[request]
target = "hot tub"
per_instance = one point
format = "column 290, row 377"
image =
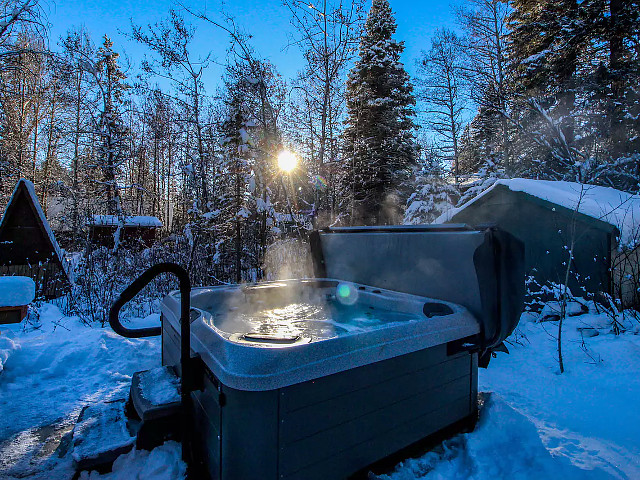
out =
column 319, row 378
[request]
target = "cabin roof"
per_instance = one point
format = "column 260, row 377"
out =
column 614, row 207
column 27, row 187
column 140, row 221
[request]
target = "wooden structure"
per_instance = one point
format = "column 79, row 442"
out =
column 13, row 314
column 603, row 224
column 28, row 246
column 137, row 231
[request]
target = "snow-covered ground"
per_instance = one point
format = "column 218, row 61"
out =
column 535, row 423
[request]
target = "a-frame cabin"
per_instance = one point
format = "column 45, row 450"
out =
column 28, row 246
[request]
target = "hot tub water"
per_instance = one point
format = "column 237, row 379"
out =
column 315, row 321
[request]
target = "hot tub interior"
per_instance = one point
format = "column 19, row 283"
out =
column 278, row 314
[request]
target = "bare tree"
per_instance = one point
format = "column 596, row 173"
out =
column 328, row 34
column 170, row 41
column 485, row 42
column 442, row 90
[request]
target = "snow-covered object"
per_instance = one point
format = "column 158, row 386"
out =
column 432, row 197
column 31, row 191
column 160, row 386
column 617, row 208
column 16, row 291
column 102, row 428
column 162, row 463
column 129, row 221
column 7, row 347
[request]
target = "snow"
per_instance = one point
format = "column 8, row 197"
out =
column 617, row 208
column 160, row 386
column 7, row 347
column 101, row 429
column 52, row 373
column 129, row 221
column 16, row 291
column 535, row 423
column 162, row 463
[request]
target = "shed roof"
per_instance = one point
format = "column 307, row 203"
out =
column 617, row 208
column 129, row 221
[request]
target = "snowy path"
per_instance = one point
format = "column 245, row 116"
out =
column 535, row 423
column 52, row 374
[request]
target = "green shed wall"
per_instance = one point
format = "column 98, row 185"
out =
column 545, row 233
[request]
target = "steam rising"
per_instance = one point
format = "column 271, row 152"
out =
column 288, row 258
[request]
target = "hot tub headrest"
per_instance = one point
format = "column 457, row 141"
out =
column 481, row 269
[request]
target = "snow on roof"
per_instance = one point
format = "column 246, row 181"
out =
column 617, row 208
column 31, row 190
column 16, row 291
column 129, row 221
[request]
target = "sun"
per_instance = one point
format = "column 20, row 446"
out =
column 287, row 161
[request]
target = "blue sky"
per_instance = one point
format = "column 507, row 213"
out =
column 268, row 21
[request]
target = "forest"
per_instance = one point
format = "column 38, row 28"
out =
column 535, row 89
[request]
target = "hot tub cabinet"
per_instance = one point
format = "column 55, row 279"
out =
column 333, row 426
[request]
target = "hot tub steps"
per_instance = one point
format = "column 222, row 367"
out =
column 155, row 397
column 101, row 434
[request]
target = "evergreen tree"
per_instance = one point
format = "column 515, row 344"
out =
column 379, row 145
column 111, row 129
column 432, row 195
column 236, row 200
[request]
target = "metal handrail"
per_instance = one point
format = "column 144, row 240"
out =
column 187, row 380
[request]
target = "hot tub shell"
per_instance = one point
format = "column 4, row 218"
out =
column 330, row 408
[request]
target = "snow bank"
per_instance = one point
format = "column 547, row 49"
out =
column 162, row 463
column 60, row 368
column 16, row 291
column 535, row 424
column 617, row 208
column 505, row 445
column 7, row 347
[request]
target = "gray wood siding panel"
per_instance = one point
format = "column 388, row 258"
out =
column 387, row 443
column 249, row 435
column 545, row 233
column 207, row 428
column 366, row 428
column 309, row 393
column 343, row 407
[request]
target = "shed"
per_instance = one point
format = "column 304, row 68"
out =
column 28, row 246
column 137, row 231
column 603, row 223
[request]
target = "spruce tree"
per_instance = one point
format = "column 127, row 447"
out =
column 379, row 145
column 111, row 129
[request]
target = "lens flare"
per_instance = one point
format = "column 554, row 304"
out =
column 346, row 293
column 319, row 182
column 287, row 161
